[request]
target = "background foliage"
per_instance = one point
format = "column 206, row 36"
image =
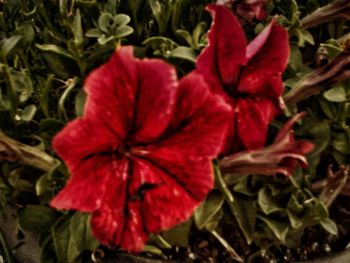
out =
column 48, row 47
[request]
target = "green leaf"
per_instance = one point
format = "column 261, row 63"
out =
column 295, row 222
column 179, row 235
column 341, row 143
column 121, row 20
column 267, row 203
column 245, row 213
column 329, row 226
column 105, row 22
column 36, row 218
column 8, row 44
column 80, row 99
column 294, row 205
column 336, row 94
column 197, row 33
column 279, row 228
column 81, row 237
column 184, row 53
column 123, row 31
column 28, row 112
column 22, row 84
column 186, row 36
column 161, row 44
column 55, row 49
column 206, row 211
column 77, row 28
column 93, row 32
column 61, row 238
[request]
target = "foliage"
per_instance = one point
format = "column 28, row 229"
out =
column 47, row 48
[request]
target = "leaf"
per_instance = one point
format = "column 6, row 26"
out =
column 197, row 33
column 61, row 238
column 341, row 143
column 184, row 53
column 28, row 112
column 294, row 205
column 80, row 99
column 279, row 228
column 161, row 44
column 55, row 49
column 245, row 213
column 266, row 202
column 123, row 31
column 105, row 22
column 186, row 36
column 36, row 218
column 93, row 32
column 8, row 44
column 329, row 226
column 22, row 84
column 121, row 20
column 77, row 28
column 336, row 94
column 207, row 209
column 295, row 222
column 179, row 235
column 81, row 237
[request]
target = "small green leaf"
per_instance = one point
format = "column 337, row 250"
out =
column 197, row 33
column 78, row 29
column 329, row 226
column 121, row 20
column 61, row 238
column 8, row 44
column 267, row 203
column 184, row 53
column 28, row 112
column 80, row 99
column 207, row 209
column 279, row 228
column 93, row 32
column 186, row 36
column 36, row 218
column 123, row 31
column 341, row 143
column 295, row 222
column 336, row 94
column 105, row 22
column 178, row 235
column 55, row 49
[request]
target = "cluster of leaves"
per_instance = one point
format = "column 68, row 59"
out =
column 48, row 47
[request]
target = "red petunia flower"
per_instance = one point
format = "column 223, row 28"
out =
column 140, row 158
column 248, row 76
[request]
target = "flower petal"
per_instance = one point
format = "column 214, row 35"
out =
column 83, row 138
column 177, row 191
column 227, row 47
column 85, row 189
column 119, row 220
column 111, row 91
column 253, row 117
column 268, row 55
column 156, row 96
column 199, row 126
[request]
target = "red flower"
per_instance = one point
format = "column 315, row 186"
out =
column 140, row 158
column 281, row 156
column 248, row 76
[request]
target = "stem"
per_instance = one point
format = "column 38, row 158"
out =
column 227, row 246
column 4, row 247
